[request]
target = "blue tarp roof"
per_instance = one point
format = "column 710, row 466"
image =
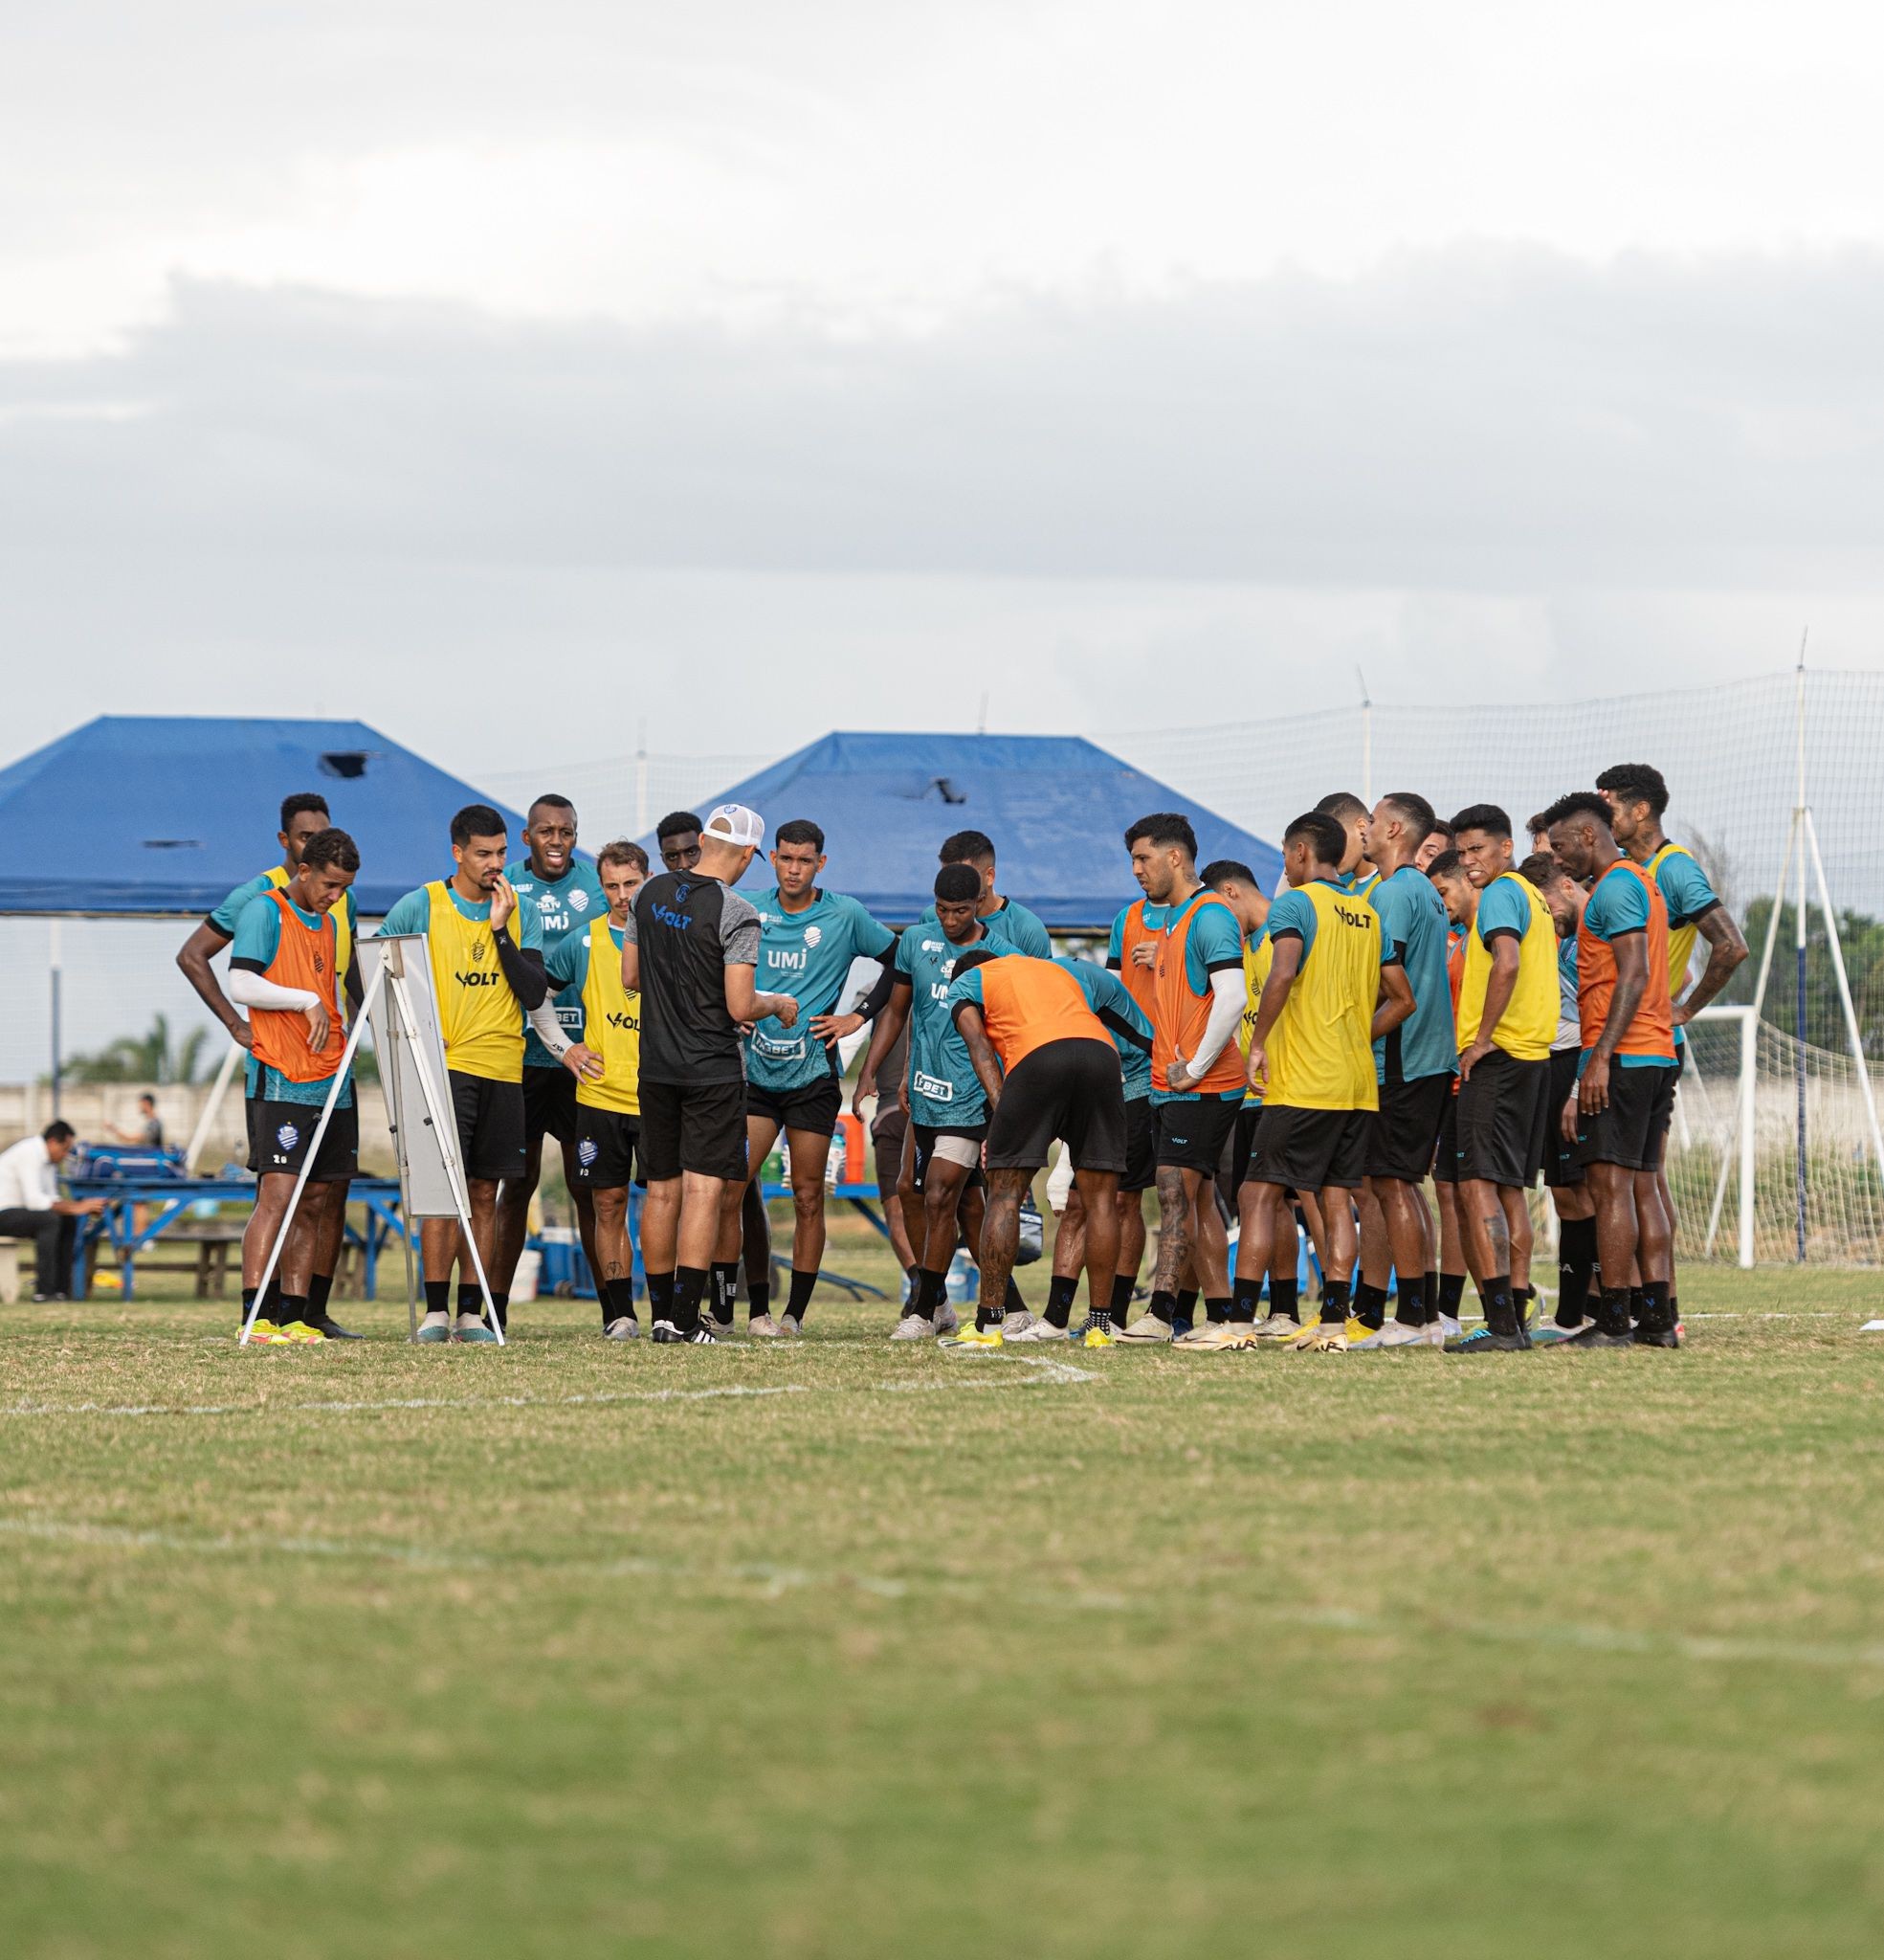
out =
column 167, row 814
column 1057, row 807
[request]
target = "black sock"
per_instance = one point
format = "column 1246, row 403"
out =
column 1370, row 1305
column 470, row 1300
column 500, row 1303
column 1163, row 1305
column 1012, row 1301
column 438, row 1296
column 319, row 1287
column 1334, row 1303
column 799, row 1302
column 1242, row 1299
column 1410, row 1308
column 689, row 1290
column 1218, row 1310
column 294, row 1307
column 660, row 1297
column 1433, row 1295
column 933, row 1295
column 725, row 1288
column 757, row 1298
column 1500, row 1309
column 1187, row 1309
column 1451, row 1291
column 1575, row 1261
column 617, row 1301
column 1657, row 1306
column 1635, row 1302
column 1612, row 1315
column 912, row 1273
column 1285, row 1297
column 990, row 1316
column 248, row 1301
column 271, row 1301
column 1123, row 1286
column 1060, row 1293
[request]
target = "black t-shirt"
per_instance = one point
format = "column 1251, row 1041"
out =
column 690, row 929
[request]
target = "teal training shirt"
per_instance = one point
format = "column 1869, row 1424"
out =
column 564, row 907
column 944, row 1092
column 1413, row 921
column 807, row 955
column 413, row 914
column 256, row 941
column 1014, row 926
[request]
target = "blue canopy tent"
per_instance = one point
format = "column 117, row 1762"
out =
column 1057, row 807
column 165, row 815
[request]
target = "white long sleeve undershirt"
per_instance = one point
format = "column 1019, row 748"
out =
column 251, row 990
column 1228, row 993
column 549, row 1030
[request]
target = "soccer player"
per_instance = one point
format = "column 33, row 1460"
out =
column 284, row 967
column 1562, row 1174
column 1414, row 1064
column 942, row 1187
column 567, row 899
column 1106, row 995
column 1334, row 985
column 1620, row 1112
column 486, row 953
column 302, row 817
column 1507, row 1021
column 1447, row 1286
column 1438, row 841
column 605, row 1063
column 1358, row 868
column 1007, row 919
column 690, row 947
column 1197, row 1084
column 808, row 937
column 1048, row 1069
column 677, row 837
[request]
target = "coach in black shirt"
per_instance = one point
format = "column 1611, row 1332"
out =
column 690, row 950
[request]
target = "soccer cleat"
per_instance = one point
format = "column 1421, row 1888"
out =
column 263, row 1334
column 623, row 1328
column 1148, row 1330
column 722, row 1330
column 1017, row 1322
column 761, row 1326
column 298, row 1333
column 702, row 1335
column 330, row 1329
column 1450, row 1329
column 1323, row 1337
column 947, row 1320
column 1217, row 1337
column 1594, row 1336
column 912, row 1327
column 434, row 1327
column 1483, row 1341
column 1646, row 1336
column 474, row 1332
column 668, row 1335
column 1553, row 1335
column 1097, row 1334
column 1278, row 1326
column 789, row 1327
column 980, row 1338
column 1433, row 1334
column 1392, row 1334
column 1036, row 1331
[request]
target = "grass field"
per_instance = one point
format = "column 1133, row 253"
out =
column 835, row 1648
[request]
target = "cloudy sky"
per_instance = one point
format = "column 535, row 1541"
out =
column 525, row 378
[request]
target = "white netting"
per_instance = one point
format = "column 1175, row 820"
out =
column 625, row 797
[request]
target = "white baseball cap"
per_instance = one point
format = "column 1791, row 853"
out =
column 733, row 823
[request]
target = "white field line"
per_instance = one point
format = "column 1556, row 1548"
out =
column 1041, row 1371
column 773, row 1581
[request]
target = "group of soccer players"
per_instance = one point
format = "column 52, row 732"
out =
column 1417, row 1002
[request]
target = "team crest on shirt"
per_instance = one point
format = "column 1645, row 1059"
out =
column 287, row 1136
column 579, row 900
column 587, row 1151
column 320, row 964
column 813, row 934
column 477, row 946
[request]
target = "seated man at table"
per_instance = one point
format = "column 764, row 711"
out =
column 284, row 967
column 30, row 1207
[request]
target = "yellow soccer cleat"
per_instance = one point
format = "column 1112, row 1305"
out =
column 1325, row 1336
column 296, row 1332
column 264, row 1334
column 1218, row 1337
column 973, row 1337
column 1097, row 1337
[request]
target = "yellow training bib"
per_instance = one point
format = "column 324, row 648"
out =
column 1680, row 938
column 1528, row 1025
column 612, row 1026
column 1321, row 1047
column 478, row 1016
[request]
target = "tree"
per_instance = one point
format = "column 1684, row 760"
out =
column 152, row 1057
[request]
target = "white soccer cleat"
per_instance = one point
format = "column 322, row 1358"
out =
column 1018, row 1322
column 761, row 1326
column 912, row 1327
column 1147, row 1331
column 623, row 1328
column 947, row 1320
column 1392, row 1334
column 789, row 1328
column 1036, row 1331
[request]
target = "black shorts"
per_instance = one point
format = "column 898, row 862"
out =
column 812, row 1106
column 607, row 1140
column 1242, row 1140
column 1560, row 1169
column 550, row 1104
column 1446, row 1152
column 1140, row 1145
column 1403, row 1131
column 922, row 1140
column 698, row 1127
column 283, row 1131
column 1069, row 1088
column 490, row 1119
column 1503, row 1120
column 1192, row 1133
column 1310, row 1149
column 252, row 1121
column 1629, row 1132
